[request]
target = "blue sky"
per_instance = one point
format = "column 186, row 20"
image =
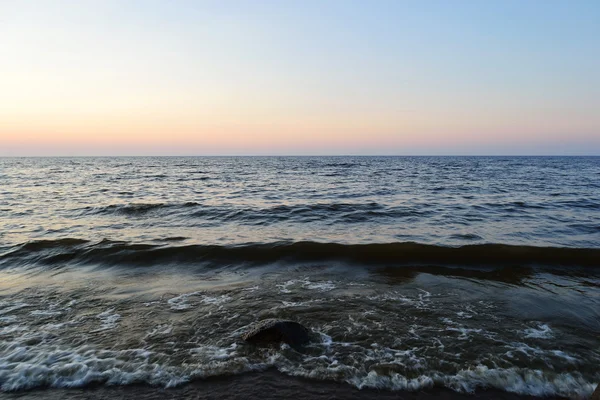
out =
column 299, row 77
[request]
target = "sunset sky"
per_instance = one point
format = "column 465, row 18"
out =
column 299, row 77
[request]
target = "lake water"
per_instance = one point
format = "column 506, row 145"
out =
column 466, row 273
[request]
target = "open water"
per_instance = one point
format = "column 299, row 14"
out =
column 459, row 273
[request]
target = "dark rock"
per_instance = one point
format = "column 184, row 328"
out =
column 273, row 330
column 596, row 394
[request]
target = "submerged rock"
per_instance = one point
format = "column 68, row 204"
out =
column 596, row 394
column 277, row 330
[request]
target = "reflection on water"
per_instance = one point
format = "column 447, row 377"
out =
column 411, row 272
column 542, row 201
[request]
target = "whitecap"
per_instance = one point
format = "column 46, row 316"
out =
column 180, row 302
column 283, row 287
column 543, row 331
column 163, row 329
column 108, row 320
column 215, row 299
column 321, row 286
column 44, row 313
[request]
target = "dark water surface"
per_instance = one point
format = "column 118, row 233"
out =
column 439, row 273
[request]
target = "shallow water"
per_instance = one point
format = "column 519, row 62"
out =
column 411, row 272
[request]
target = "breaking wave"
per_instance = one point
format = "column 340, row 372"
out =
column 106, row 252
column 24, row 367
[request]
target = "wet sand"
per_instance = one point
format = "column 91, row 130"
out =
column 262, row 385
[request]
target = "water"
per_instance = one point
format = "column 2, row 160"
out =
column 411, row 272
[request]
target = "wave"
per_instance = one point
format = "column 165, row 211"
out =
column 45, row 366
column 133, row 209
column 107, row 252
column 300, row 213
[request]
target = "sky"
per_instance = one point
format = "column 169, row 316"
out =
column 232, row 77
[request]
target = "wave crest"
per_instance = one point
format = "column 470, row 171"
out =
column 386, row 254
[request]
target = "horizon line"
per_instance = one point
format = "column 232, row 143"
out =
column 301, row 155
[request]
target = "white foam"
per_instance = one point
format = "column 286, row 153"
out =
column 26, row 367
column 393, row 382
column 180, row 302
column 108, row 320
column 356, row 324
column 413, row 331
column 326, row 340
column 306, row 284
column 391, row 296
column 71, row 303
column 53, row 327
column 421, row 301
column 215, row 299
column 520, row 381
column 543, row 331
column 215, row 352
column 163, row 329
column 54, row 365
column 234, row 316
column 424, row 294
column 286, row 304
column 321, row 286
column 44, row 313
column 565, row 356
column 543, row 354
column 283, row 287
column 514, row 380
column 465, row 333
column 468, row 311
column 50, row 361
column 290, row 304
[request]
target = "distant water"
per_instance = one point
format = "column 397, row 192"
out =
column 411, row 272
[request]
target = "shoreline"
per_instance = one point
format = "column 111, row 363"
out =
column 265, row 385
